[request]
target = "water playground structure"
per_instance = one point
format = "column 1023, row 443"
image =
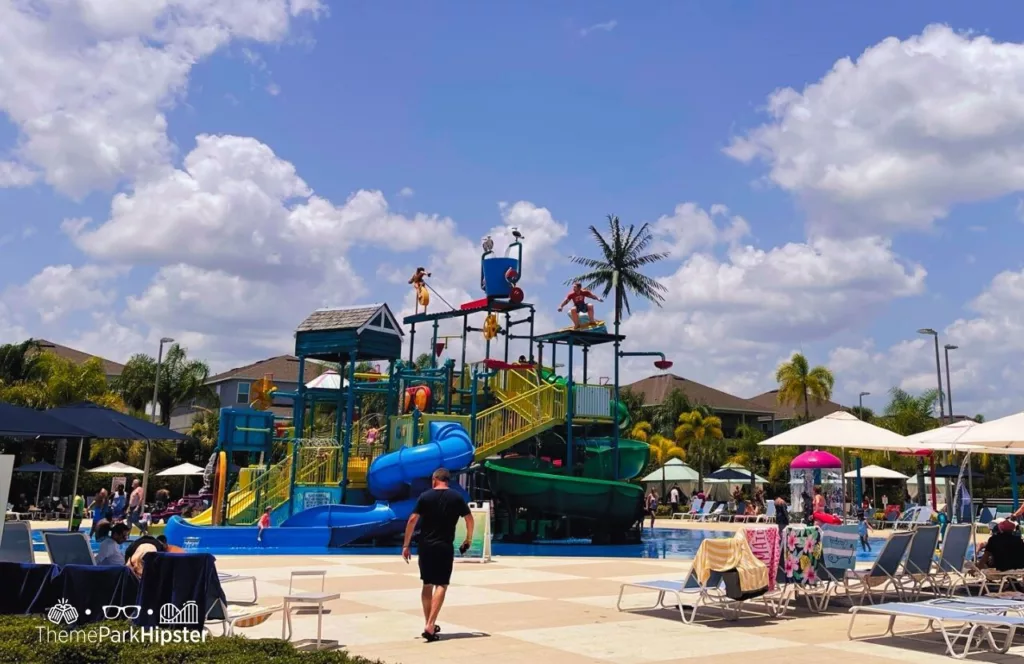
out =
column 548, row 453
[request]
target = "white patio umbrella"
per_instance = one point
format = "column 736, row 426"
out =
column 186, row 470
column 116, row 468
column 873, row 473
column 1005, row 433
column 328, row 380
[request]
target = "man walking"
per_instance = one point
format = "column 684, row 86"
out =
column 437, row 512
column 135, row 501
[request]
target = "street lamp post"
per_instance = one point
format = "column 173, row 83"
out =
column 156, row 390
column 949, row 385
column 938, row 370
column 860, row 403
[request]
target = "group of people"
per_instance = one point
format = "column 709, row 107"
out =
column 678, row 501
column 112, row 508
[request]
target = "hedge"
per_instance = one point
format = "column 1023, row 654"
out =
column 20, row 643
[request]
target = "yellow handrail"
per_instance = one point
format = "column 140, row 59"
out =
column 270, row 489
column 518, row 418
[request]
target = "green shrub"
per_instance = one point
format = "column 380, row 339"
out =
column 20, row 643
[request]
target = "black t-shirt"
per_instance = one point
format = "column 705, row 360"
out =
column 439, row 510
column 1007, row 551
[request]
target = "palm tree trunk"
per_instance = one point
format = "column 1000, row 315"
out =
column 62, row 446
column 807, row 406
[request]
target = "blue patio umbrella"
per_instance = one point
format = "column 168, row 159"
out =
column 18, row 422
column 38, row 467
column 102, row 422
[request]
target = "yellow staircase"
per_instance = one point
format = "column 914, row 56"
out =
column 519, row 417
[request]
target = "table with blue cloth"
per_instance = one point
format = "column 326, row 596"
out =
column 34, row 588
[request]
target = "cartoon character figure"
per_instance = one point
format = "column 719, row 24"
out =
column 420, row 286
column 578, row 296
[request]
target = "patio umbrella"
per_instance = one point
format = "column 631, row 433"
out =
column 38, row 467
column 1006, row 434
column 730, row 475
column 18, row 422
column 116, row 468
column 874, row 473
column 182, row 470
column 101, row 422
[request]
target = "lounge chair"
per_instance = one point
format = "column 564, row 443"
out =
column 914, row 517
column 769, row 514
column 726, row 566
column 234, row 578
column 917, row 568
column 68, row 548
column 883, row 575
column 693, row 511
column 964, row 624
column 16, row 546
column 950, row 572
column 714, row 515
column 799, row 564
column 839, row 556
column 705, row 511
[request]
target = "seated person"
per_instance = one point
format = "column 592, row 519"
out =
column 170, row 548
column 137, row 551
column 1004, row 550
column 111, row 538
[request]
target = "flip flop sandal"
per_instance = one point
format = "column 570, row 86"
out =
column 430, row 638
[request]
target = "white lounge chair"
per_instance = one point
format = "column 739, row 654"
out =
column 692, row 512
column 234, row 578
column 914, row 517
column 953, row 624
column 769, row 513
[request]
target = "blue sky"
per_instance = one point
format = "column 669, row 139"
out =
column 877, row 197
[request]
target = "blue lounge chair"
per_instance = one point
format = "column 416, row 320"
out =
column 68, row 548
column 917, row 568
column 883, row 575
column 949, row 574
column 953, row 624
column 16, row 546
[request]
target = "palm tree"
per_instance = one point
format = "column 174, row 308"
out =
column 799, row 383
column 666, row 415
column 699, row 435
column 182, row 382
column 662, row 450
column 20, row 363
column 748, row 450
column 622, row 256
column 634, row 402
column 205, row 430
column 906, row 414
column 865, row 414
column 641, row 431
column 423, row 361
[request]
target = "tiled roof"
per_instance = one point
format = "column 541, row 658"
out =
column 656, row 388
column 110, row 367
column 284, row 367
column 770, row 399
column 343, row 318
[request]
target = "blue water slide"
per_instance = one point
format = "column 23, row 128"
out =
column 326, row 526
column 449, row 447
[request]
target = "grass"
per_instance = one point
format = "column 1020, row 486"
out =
column 32, row 640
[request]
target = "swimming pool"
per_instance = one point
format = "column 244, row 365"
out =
column 667, row 543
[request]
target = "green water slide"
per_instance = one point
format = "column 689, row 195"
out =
column 537, row 484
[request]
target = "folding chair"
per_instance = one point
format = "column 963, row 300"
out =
column 16, row 546
column 884, row 572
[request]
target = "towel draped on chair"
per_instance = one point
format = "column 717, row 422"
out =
column 179, row 579
column 764, row 544
column 731, row 554
column 803, row 553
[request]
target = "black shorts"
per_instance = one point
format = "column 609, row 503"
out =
column 436, row 564
column 581, row 306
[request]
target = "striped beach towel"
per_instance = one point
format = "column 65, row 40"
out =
column 727, row 554
column 765, row 545
column 839, row 547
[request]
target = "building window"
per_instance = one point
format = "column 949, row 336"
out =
column 243, row 393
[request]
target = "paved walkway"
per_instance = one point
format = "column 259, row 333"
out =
column 520, row 610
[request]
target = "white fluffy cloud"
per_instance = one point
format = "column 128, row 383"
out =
column 691, row 228
column 60, row 289
column 984, row 369
column 893, row 139
column 729, row 322
column 88, row 82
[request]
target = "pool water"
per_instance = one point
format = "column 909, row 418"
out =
column 668, row 543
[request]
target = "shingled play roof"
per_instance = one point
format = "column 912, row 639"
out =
column 349, row 318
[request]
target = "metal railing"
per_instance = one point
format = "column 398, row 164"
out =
column 518, row 418
column 271, row 489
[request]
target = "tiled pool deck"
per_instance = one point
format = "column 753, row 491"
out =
column 533, row 610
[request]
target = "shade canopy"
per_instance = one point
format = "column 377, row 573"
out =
column 949, row 434
column 874, row 472
column 38, row 467
column 731, row 475
column 815, row 459
column 841, row 429
column 116, row 468
column 18, row 422
column 675, row 471
column 952, row 471
column 182, row 469
column 328, row 380
column 1005, row 433
column 101, row 422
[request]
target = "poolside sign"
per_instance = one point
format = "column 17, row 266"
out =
column 480, row 547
